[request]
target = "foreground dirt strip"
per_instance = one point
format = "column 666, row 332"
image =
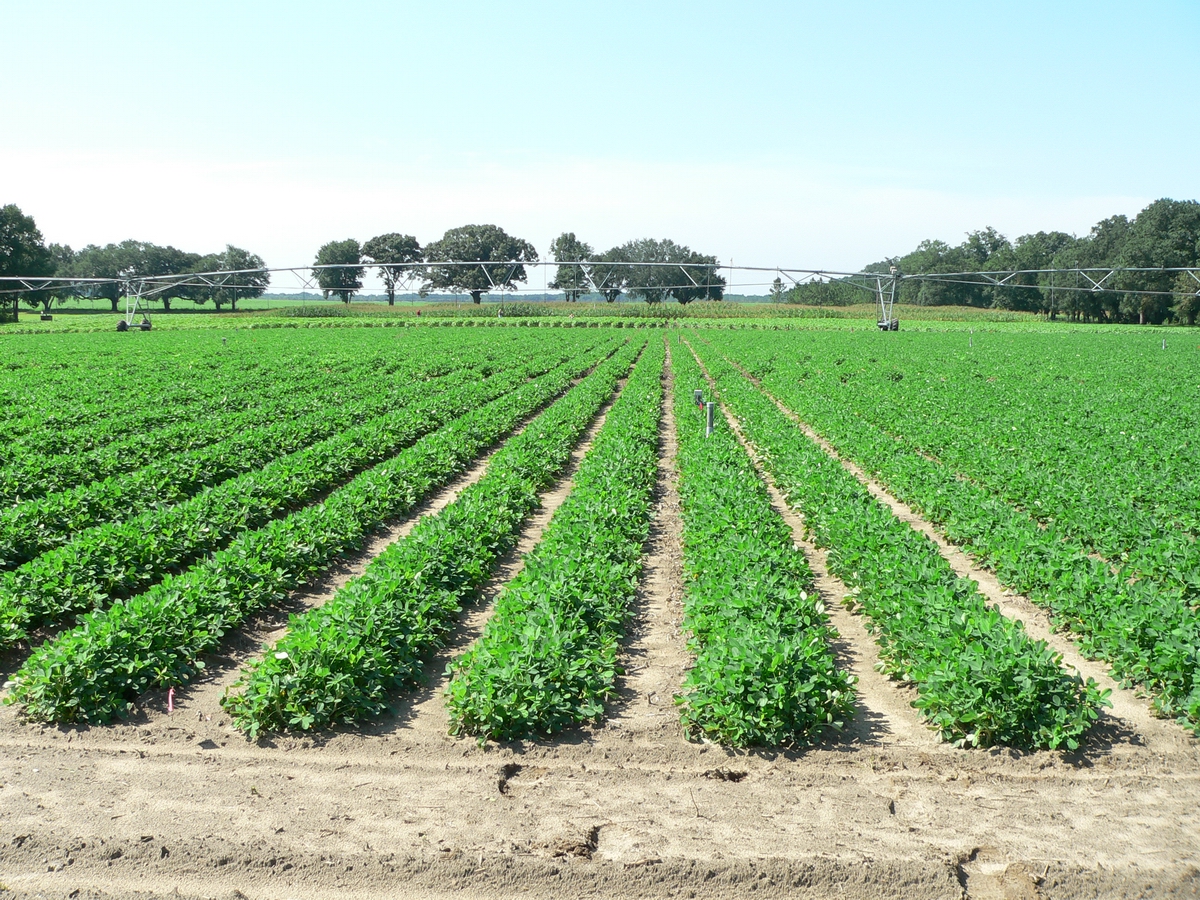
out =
column 884, row 714
column 1130, row 718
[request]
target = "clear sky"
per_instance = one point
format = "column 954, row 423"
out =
column 809, row 134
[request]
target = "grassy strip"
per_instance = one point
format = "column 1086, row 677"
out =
column 338, row 662
column 764, row 672
column 980, row 679
column 1149, row 634
column 95, row 672
column 120, row 560
column 548, row 657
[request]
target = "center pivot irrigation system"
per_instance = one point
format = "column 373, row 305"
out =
column 697, row 280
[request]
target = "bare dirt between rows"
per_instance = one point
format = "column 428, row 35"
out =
column 175, row 806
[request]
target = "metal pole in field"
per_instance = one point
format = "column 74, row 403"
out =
column 709, row 409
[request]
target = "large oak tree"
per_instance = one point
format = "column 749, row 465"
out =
column 498, row 257
column 347, row 279
column 395, row 255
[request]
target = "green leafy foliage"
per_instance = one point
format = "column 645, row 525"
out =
column 121, row 559
column 338, row 663
column 980, row 679
column 764, row 672
column 1038, row 476
column 547, row 658
column 95, row 672
column 186, row 460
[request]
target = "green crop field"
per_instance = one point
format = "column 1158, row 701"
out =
column 303, row 534
column 157, row 492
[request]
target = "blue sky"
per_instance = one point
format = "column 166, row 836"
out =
column 803, row 134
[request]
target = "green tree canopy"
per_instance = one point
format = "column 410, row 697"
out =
column 572, row 280
column 234, row 287
column 342, row 282
column 22, row 250
column 693, row 277
column 100, row 262
column 482, row 244
column 144, row 260
column 1165, row 234
column 610, row 273
column 389, row 252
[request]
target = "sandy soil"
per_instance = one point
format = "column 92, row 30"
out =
column 181, row 805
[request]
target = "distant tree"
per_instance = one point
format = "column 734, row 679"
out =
column 1164, row 235
column 342, row 282
column 22, row 250
column 1026, row 253
column 64, row 260
column 100, row 262
column 140, row 260
column 610, row 273
column 231, row 288
column 1187, row 297
column 481, row 244
column 702, row 281
column 834, row 292
column 394, row 255
column 777, row 290
column 572, row 280
column 693, row 277
column 1100, row 248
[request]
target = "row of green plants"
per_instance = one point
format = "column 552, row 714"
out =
column 66, row 397
column 96, row 671
column 271, row 431
column 548, row 657
column 121, row 559
column 96, row 452
column 1096, row 414
column 75, row 395
column 764, row 673
column 979, row 678
column 341, row 662
column 1088, row 434
column 1147, row 631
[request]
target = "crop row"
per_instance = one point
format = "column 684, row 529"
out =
column 97, row 670
column 1084, row 433
column 36, row 526
column 980, row 679
column 764, row 671
column 548, row 657
column 339, row 662
column 76, row 393
column 71, row 433
column 31, row 472
column 1149, row 634
column 121, row 559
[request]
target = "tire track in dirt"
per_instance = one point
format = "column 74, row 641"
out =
column 1129, row 721
column 883, row 713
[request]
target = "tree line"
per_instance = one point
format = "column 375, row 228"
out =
column 652, row 270
column 1164, row 235
column 648, row 269
column 24, row 252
